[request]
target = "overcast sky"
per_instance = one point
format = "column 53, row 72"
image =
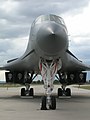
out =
column 16, row 17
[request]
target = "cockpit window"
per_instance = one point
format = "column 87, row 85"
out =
column 57, row 19
column 54, row 18
column 45, row 18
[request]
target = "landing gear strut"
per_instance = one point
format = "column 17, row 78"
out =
column 28, row 91
column 48, row 71
column 63, row 91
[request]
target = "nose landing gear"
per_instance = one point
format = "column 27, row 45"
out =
column 48, row 72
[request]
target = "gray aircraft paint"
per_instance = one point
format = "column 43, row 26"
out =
column 49, row 40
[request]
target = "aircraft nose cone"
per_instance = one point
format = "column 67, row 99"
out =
column 51, row 38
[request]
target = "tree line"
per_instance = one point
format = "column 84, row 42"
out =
column 41, row 82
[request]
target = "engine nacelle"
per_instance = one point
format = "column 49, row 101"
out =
column 76, row 78
column 73, row 78
column 14, row 77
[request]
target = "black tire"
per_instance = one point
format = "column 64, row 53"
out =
column 53, row 103
column 23, row 92
column 68, row 92
column 43, row 104
column 31, row 92
column 60, row 93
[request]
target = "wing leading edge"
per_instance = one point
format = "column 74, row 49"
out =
column 76, row 64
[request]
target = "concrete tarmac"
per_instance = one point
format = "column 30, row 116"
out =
column 13, row 107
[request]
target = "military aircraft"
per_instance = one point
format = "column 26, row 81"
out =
column 47, row 54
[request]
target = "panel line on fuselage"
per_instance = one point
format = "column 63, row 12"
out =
column 28, row 54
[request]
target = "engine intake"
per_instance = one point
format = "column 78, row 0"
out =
column 73, row 78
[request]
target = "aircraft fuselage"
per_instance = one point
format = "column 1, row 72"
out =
column 48, row 38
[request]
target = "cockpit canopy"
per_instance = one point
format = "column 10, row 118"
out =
column 50, row 17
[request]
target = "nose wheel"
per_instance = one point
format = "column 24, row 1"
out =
column 44, row 103
column 51, row 105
